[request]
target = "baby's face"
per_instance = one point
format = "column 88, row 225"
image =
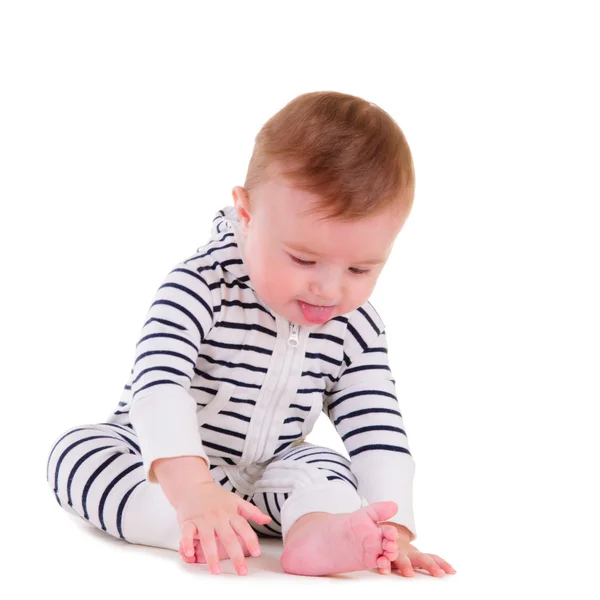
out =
column 297, row 262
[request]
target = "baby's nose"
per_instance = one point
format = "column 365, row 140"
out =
column 327, row 292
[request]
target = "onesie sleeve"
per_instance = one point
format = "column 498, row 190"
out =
column 163, row 413
column 363, row 407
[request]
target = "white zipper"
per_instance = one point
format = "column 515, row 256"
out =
column 293, row 339
column 288, row 360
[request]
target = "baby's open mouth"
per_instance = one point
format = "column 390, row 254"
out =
column 315, row 313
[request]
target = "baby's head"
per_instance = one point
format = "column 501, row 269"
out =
column 329, row 186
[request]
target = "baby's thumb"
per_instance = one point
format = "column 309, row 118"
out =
column 251, row 512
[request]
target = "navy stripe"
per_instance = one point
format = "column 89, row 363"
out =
column 366, row 411
column 292, row 419
column 232, row 365
column 235, row 415
column 282, row 447
column 377, row 447
column 247, row 306
column 246, row 327
column 363, row 312
column 122, row 508
column 165, row 352
column 168, row 335
column 162, row 368
column 366, row 392
column 269, row 511
column 367, row 368
column 228, row 284
column 221, row 448
column 159, row 382
column 373, row 428
column 226, row 380
column 183, row 310
column 320, row 356
column 224, row 431
column 108, row 489
column 325, row 336
column 178, row 286
column 76, row 467
column 93, row 478
column 73, row 445
column 165, row 322
column 357, row 336
column 340, row 476
column 240, row 347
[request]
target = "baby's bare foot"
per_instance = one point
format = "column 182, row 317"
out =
column 323, row 543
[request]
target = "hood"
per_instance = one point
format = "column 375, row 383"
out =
column 231, row 254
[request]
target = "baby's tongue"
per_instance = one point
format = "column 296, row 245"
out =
column 316, row 314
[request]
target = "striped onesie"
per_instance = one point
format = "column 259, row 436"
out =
column 218, row 374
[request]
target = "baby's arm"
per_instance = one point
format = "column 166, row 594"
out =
column 163, row 412
column 364, row 409
column 164, row 415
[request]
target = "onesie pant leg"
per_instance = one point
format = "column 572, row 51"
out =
column 96, row 472
column 304, row 479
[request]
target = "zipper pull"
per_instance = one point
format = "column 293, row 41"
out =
column 293, row 339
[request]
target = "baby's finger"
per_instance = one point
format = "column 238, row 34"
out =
column 403, row 564
column 443, row 564
column 188, row 530
column 208, row 542
column 248, row 535
column 231, row 543
column 424, row 561
column 383, row 564
column 253, row 513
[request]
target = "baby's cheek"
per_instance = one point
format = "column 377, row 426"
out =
column 278, row 280
column 274, row 285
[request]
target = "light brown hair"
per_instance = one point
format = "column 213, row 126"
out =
column 346, row 150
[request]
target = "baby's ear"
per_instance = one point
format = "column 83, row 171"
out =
column 241, row 204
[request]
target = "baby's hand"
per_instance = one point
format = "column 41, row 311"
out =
column 210, row 513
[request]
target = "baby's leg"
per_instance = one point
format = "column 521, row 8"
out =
column 94, row 471
column 311, row 494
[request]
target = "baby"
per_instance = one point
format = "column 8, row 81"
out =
column 244, row 345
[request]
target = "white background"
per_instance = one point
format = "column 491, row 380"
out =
column 123, row 128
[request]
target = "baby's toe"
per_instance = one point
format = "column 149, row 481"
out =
column 187, row 559
column 391, row 555
column 389, row 545
column 389, row 532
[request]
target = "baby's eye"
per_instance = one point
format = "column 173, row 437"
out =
column 359, row 271
column 301, row 262
column 307, row 263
